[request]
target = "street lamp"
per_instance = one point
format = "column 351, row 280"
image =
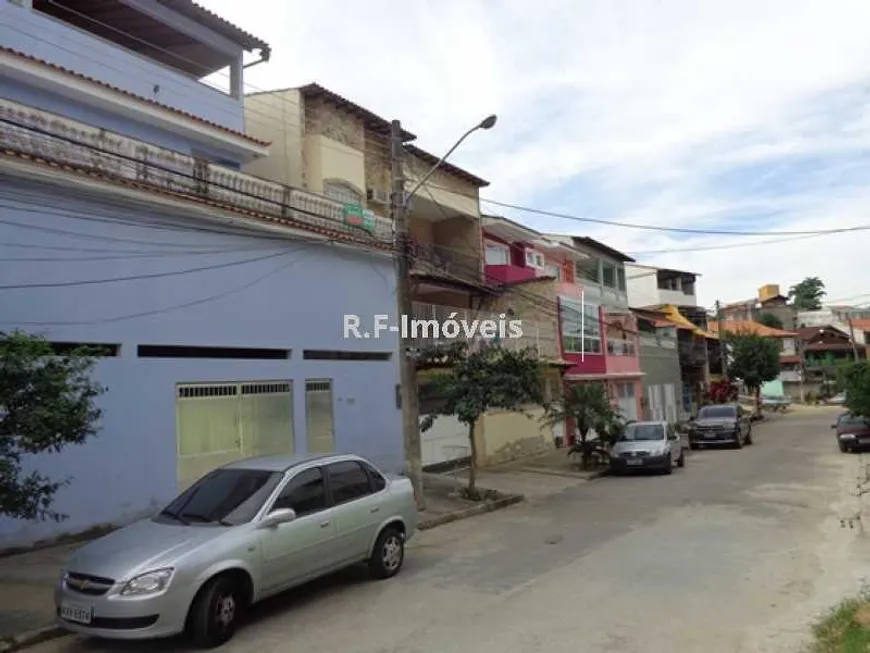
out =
column 486, row 123
column 407, row 364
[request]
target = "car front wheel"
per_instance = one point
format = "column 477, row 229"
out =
column 843, row 447
column 215, row 612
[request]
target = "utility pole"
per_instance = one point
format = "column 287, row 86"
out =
column 721, row 331
column 852, row 338
column 407, row 365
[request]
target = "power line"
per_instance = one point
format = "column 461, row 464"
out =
column 137, row 277
column 166, row 309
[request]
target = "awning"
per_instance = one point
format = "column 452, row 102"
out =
column 677, row 318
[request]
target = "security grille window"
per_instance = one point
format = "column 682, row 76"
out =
column 342, row 192
column 319, row 416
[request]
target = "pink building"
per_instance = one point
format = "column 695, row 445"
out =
column 597, row 332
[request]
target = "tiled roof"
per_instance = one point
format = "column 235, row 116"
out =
column 790, row 359
column 220, row 25
column 861, row 325
column 748, row 326
column 446, row 166
column 805, row 333
column 140, row 98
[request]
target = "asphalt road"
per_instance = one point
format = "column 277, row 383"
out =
column 735, row 553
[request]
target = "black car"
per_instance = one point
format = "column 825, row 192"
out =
column 853, row 432
column 721, row 424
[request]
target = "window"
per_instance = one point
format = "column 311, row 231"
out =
column 580, row 333
column 230, row 495
column 378, row 481
column 608, row 274
column 534, row 259
column 620, row 278
column 715, row 412
column 496, row 254
column 588, row 269
column 348, row 481
column 305, row 493
column 555, row 271
column 342, row 192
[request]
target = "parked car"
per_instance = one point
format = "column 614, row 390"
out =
column 837, row 400
column 775, row 402
column 721, row 424
column 647, row 445
column 853, row 432
column 243, row 532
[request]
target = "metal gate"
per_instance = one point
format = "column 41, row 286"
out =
column 319, row 417
column 217, row 423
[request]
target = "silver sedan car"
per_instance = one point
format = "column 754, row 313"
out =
column 648, row 445
column 245, row 531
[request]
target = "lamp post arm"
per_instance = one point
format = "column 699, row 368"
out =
column 432, row 170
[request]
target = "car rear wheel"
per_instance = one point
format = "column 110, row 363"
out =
column 388, row 554
column 215, row 612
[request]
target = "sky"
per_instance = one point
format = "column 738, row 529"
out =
column 746, row 115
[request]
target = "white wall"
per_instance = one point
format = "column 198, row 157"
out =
column 642, row 287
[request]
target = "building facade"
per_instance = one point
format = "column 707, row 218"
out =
column 131, row 228
column 599, row 332
column 660, row 364
column 768, row 301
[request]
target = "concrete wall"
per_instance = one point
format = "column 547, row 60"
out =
column 277, row 118
column 130, row 465
column 661, row 366
column 59, row 43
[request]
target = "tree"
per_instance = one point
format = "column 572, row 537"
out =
column 770, row 320
column 46, row 403
column 755, row 361
column 807, row 295
column 478, row 381
column 589, row 407
column 855, row 379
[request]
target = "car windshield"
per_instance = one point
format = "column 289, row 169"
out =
column 225, row 496
column 639, row 432
column 852, row 421
column 716, row 412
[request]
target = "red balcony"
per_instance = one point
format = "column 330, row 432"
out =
column 508, row 274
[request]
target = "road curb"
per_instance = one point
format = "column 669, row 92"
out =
column 465, row 513
column 30, row 638
column 550, row 472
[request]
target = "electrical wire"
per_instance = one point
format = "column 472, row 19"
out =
column 476, row 196
column 166, row 309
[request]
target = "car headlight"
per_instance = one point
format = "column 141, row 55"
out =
column 148, row 583
column 847, row 436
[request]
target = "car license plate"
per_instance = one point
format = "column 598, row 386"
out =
column 711, row 436
column 634, row 462
column 78, row 612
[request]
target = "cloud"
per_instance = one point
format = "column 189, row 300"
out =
column 746, row 115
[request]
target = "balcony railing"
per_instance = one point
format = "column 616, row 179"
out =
column 656, row 341
column 68, row 142
column 426, row 330
column 621, row 348
column 437, row 260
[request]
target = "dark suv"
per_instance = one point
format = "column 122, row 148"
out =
column 720, row 424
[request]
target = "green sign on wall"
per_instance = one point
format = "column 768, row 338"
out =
column 358, row 216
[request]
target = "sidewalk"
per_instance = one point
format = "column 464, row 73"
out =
column 26, row 585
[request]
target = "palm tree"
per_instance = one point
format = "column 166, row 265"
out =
column 589, row 407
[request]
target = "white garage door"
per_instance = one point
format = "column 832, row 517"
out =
column 217, row 423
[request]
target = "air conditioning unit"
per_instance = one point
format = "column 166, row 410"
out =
column 378, row 196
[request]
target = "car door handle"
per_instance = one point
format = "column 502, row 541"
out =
column 324, row 524
column 376, row 509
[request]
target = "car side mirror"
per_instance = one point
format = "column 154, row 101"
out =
column 833, row 426
column 278, row 517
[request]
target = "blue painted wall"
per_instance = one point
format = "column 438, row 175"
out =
column 293, row 301
column 56, row 42
column 46, row 101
